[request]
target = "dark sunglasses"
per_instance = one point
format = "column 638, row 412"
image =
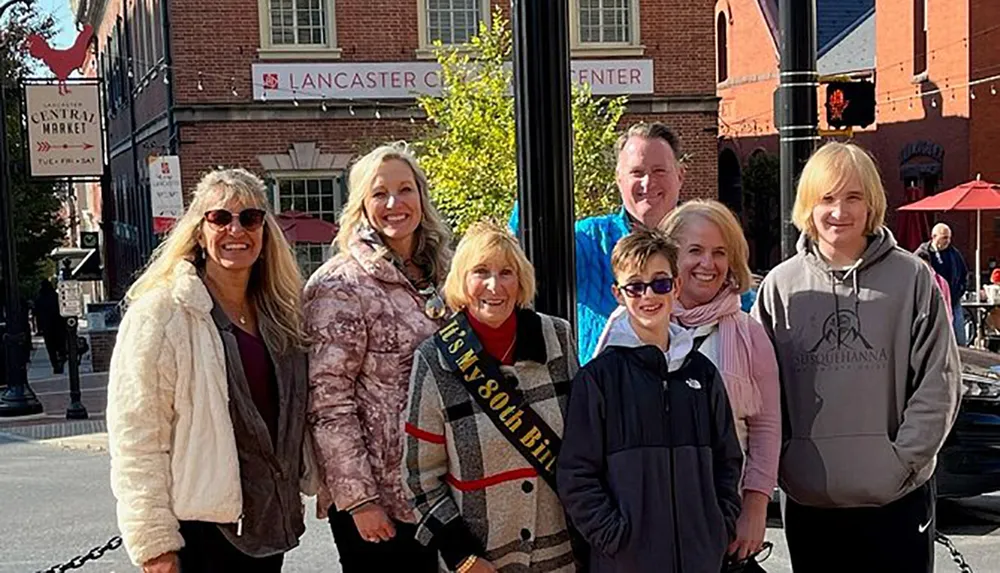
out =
column 250, row 219
column 660, row 286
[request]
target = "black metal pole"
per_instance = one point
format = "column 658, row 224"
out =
column 544, row 153
column 798, row 120
column 18, row 399
column 76, row 410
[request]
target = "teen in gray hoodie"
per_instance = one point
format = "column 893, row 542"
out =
column 870, row 375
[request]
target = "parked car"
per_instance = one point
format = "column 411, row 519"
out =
column 969, row 463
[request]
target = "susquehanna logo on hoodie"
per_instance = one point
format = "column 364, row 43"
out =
column 842, row 345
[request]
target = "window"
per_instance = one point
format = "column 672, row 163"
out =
column 291, row 27
column 722, row 47
column 604, row 21
column 320, row 196
column 919, row 37
column 310, row 256
column 451, row 22
column 610, row 27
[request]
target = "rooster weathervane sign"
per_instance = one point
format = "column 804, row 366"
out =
column 65, row 134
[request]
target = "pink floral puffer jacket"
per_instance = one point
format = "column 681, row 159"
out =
column 365, row 320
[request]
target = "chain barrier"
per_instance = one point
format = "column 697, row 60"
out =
column 80, row 560
column 956, row 555
column 116, row 542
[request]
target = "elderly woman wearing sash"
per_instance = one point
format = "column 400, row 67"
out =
column 488, row 394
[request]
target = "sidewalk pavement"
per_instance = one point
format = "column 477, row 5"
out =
column 51, row 426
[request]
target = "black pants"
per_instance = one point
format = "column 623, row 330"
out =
column 55, row 344
column 206, row 550
column 401, row 553
column 898, row 537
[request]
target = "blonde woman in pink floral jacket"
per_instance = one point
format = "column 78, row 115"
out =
column 366, row 311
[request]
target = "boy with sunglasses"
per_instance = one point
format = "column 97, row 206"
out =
column 650, row 464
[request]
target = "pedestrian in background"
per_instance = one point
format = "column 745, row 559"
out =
column 366, row 310
column 870, row 387
column 712, row 264
column 207, row 391
column 950, row 264
column 485, row 500
column 51, row 324
column 942, row 285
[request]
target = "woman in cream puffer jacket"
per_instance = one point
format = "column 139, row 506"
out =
column 207, row 392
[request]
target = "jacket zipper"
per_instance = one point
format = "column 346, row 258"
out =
column 673, row 486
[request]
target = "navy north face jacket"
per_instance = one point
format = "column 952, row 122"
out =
column 650, row 465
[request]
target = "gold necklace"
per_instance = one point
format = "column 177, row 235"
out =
column 509, row 349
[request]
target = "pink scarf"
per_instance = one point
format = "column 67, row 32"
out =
column 734, row 351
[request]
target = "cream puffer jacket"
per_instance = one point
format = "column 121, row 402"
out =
column 173, row 450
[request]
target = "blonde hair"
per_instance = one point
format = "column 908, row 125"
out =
column 633, row 252
column 729, row 227
column 275, row 281
column 829, row 169
column 482, row 242
column 433, row 236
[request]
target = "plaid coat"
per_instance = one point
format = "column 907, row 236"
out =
column 473, row 492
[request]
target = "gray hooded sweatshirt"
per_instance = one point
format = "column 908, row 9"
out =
column 870, row 373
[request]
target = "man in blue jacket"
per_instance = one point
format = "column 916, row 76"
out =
column 949, row 263
column 649, row 176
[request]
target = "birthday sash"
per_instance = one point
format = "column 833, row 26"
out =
column 497, row 396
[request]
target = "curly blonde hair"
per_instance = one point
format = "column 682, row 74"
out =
column 433, row 237
column 275, row 286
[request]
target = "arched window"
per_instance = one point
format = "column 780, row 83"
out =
column 722, row 48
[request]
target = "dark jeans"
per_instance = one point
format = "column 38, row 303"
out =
column 897, row 537
column 401, row 553
column 55, row 344
column 206, row 550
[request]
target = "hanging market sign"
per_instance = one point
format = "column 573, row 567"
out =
column 64, row 130
column 388, row 80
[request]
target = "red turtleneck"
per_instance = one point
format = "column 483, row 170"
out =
column 498, row 342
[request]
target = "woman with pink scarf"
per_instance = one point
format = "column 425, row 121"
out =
column 712, row 265
column 713, row 271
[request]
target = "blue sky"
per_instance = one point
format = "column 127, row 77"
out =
column 64, row 20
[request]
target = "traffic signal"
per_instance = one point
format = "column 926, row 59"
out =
column 850, row 104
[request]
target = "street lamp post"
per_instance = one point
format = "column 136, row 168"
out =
column 544, row 126
column 18, row 400
column 798, row 121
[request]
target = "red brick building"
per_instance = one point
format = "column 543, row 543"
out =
column 933, row 130
column 294, row 89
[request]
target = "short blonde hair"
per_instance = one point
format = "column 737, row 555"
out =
column 482, row 242
column 729, row 227
column 828, row 170
column 433, row 236
column 633, row 252
column 275, row 281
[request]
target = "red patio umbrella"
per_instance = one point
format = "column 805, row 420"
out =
column 975, row 196
column 912, row 226
column 302, row 227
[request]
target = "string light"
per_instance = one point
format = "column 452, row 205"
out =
column 263, row 96
column 972, row 94
column 232, row 82
column 166, row 76
column 350, row 109
column 201, row 87
column 377, row 114
column 295, row 99
column 322, row 106
column 412, row 121
column 993, row 89
column 933, row 102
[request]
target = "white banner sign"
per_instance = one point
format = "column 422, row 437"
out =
column 70, row 298
column 64, row 130
column 167, row 193
column 389, row 80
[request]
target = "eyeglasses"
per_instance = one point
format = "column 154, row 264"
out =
column 636, row 289
column 250, row 219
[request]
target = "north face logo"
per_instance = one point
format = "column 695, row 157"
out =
column 841, row 331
